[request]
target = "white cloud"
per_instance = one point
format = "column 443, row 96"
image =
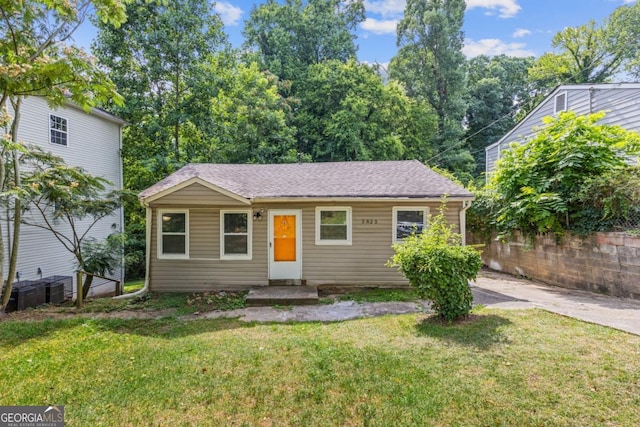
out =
column 380, row 27
column 493, row 47
column 229, row 13
column 395, row 8
column 521, row 32
column 506, row 8
column 385, row 8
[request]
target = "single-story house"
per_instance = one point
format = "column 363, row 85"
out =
column 223, row 226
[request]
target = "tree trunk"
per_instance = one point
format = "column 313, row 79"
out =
column 86, row 285
column 3, row 291
column 17, row 208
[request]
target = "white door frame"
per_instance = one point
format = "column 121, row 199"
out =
column 285, row 270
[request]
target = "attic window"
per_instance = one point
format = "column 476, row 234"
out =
column 58, row 130
column 560, row 103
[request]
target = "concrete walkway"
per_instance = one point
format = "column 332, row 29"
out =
column 492, row 290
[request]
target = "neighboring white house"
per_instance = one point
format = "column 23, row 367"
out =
column 89, row 140
column 620, row 102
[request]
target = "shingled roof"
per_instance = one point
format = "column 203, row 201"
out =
column 382, row 179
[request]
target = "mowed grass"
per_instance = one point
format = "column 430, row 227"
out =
column 499, row 368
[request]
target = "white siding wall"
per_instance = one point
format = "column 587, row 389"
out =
column 93, row 144
column 621, row 104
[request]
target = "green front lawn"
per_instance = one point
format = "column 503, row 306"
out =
column 524, row 368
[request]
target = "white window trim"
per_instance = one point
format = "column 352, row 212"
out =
column 162, row 255
column 50, row 129
column 555, row 102
column 249, row 254
column 394, row 220
column 319, row 210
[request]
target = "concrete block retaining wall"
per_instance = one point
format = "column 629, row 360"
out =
column 607, row 263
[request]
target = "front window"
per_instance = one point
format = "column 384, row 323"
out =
column 407, row 221
column 58, row 130
column 235, row 230
column 173, row 238
column 333, row 226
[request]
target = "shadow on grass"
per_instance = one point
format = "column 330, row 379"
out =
column 14, row 333
column 482, row 331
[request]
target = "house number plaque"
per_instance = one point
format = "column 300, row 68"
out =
column 369, row 221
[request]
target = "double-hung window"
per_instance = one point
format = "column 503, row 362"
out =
column 173, row 234
column 235, row 234
column 333, row 225
column 58, row 130
column 408, row 220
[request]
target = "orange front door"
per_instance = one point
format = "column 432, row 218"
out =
column 284, row 237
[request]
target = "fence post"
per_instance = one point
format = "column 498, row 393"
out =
column 119, row 290
column 79, row 289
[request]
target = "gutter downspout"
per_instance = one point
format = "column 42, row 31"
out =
column 463, row 220
column 145, row 288
column 121, row 177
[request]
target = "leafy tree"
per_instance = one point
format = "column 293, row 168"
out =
column 62, row 194
column 159, row 60
column 439, row 267
column 292, row 36
column 249, row 119
column 536, row 186
column 347, row 113
column 431, row 66
column 498, row 89
column 612, row 200
column 37, row 61
column 592, row 53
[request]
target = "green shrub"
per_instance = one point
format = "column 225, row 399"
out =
column 569, row 176
column 439, row 268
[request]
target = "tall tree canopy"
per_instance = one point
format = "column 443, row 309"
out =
column 498, row 89
column 292, row 36
column 156, row 60
column 592, row 53
column 249, row 118
column 347, row 113
column 430, row 64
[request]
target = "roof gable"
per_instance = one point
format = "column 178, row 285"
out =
column 385, row 179
column 551, row 97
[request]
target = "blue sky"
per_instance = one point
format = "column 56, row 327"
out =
column 492, row 27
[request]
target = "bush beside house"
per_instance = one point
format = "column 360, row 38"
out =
column 545, row 206
column 440, row 268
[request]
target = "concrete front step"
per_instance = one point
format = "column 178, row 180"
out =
column 286, row 282
column 282, row 295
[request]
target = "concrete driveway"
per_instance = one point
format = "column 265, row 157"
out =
column 492, row 290
column 503, row 291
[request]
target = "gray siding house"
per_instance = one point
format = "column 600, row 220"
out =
column 91, row 141
column 221, row 226
column 620, row 102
